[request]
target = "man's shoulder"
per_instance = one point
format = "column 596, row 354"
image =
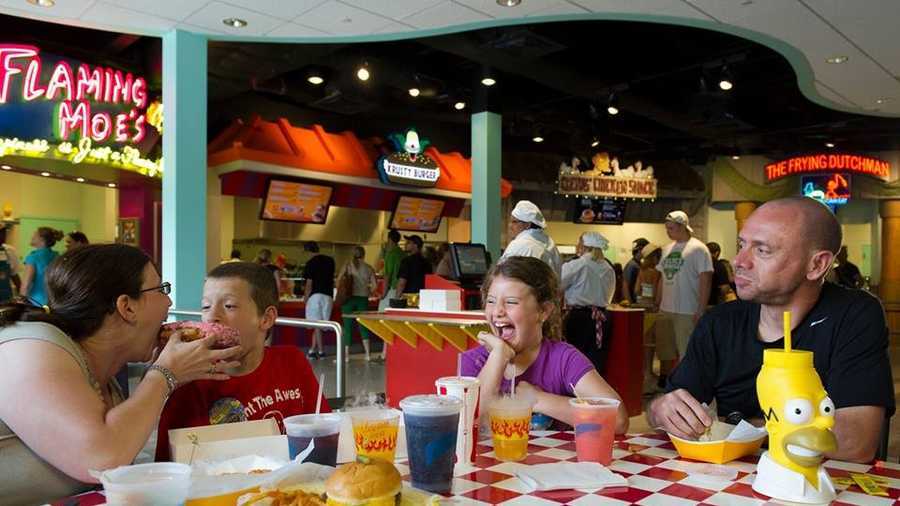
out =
column 851, row 300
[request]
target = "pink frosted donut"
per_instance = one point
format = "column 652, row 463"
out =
column 191, row 331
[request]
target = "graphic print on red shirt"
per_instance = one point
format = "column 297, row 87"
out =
column 283, row 385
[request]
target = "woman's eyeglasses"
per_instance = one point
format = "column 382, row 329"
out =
column 165, row 288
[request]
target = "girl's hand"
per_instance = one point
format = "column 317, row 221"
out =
column 194, row 360
column 494, row 344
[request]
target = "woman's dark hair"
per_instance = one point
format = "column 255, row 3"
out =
column 542, row 281
column 49, row 235
column 83, row 285
column 78, row 237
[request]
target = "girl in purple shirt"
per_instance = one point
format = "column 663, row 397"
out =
column 521, row 306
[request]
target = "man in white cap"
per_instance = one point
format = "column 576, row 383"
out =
column 589, row 284
column 526, row 226
column 687, row 269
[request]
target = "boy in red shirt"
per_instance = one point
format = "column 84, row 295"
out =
column 271, row 382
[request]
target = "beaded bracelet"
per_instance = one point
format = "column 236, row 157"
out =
column 171, row 380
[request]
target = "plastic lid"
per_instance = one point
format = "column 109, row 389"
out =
column 594, row 402
column 794, row 359
column 456, row 380
column 430, row 405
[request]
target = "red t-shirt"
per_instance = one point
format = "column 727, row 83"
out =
column 283, row 385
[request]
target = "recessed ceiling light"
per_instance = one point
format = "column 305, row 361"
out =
column 43, row 3
column 612, row 110
column 829, row 144
column 459, row 106
column 45, row 174
column 882, row 100
column 315, row 79
column 595, row 144
column 414, row 92
column 837, row 59
column 509, row 3
column 234, row 22
column 5, row 167
column 736, row 157
column 488, row 81
column 537, row 138
column 79, row 179
column 111, row 185
column 363, row 74
column 725, row 84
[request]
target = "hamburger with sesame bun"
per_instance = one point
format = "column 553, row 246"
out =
column 368, row 482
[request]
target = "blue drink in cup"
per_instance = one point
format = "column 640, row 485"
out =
column 432, row 423
column 323, row 429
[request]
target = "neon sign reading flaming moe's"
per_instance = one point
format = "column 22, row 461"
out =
column 75, row 90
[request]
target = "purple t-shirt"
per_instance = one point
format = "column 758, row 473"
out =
column 557, row 365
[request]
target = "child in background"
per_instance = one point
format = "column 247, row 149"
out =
column 647, row 288
column 271, row 382
column 521, row 304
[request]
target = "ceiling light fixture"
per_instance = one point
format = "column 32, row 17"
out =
column 508, row 3
column 836, row 60
column 537, row 138
column 414, row 92
column 5, row 167
column 488, row 81
column 111, row 185
column 363, row 72
column 315, row 79
column 726, row 82
column 459, row 106
column 232, row 22
column 829, row 144
column 79, row 179
column 882, row 100
column 45, row 174
column 595, row 143
column 736, row 157
column 611, row 107
column 43, row 3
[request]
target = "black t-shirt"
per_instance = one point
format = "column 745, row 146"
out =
column 413, row 269
column 630, row 273
column 719, row 278
column 320, row 269
column 845, row 330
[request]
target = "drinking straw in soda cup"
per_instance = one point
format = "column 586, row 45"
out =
column 787, row 331
column 319, row 397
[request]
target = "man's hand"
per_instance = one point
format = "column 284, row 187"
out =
column 679, row 413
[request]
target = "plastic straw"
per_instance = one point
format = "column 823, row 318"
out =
column 787, row 331
column 319, row 397
column 574, row 391
column 458, row 365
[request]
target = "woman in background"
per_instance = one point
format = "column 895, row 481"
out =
column 36, row 264
column 76, row 239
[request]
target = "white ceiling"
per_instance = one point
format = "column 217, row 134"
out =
column 806, row 31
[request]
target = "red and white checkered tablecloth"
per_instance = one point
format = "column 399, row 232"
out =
column 656, row 476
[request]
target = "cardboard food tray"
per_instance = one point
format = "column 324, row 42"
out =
column 719, row 450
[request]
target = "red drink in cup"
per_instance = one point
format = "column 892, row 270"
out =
column 595, row 427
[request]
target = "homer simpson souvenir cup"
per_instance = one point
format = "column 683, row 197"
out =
column 799, row 417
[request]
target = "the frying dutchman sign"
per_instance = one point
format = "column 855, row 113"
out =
column 607, row 179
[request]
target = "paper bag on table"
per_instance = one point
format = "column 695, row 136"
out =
column 227, row 441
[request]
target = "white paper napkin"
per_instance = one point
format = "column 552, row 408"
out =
column 564, row 475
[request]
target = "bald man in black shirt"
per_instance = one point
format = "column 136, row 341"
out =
column 785, row 250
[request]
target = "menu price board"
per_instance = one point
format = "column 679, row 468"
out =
column 599, row 211
column 416, row 214
column 296, row 202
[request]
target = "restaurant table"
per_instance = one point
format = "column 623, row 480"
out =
column 655, row 474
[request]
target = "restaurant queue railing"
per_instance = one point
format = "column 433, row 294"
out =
column 341, row 373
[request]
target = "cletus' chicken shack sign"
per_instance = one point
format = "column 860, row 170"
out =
column 829, row 162
column 98, row 114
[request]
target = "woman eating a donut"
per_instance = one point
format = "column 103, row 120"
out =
column 61, row 411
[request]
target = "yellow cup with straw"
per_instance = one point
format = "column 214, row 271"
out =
column 799, row 418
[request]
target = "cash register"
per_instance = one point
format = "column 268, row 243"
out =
column 469, row 264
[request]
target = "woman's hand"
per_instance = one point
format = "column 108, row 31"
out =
column 494, row 344
column 194, row 360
